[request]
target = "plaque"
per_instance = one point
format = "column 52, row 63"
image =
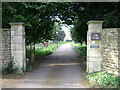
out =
column 94, row 46
column 95, row 36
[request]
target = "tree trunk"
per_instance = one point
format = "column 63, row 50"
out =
column 31, row 54
column 86, row 42
column 80, row 43
column 34, row 48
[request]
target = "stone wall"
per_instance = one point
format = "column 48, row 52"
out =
column 0, row 48
column 103, row 48
column 111, row 49
column 6, row 47
column 18, row 50
column 13, row 45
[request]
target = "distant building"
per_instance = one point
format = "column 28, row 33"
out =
column 67, row 32
column 67, row 37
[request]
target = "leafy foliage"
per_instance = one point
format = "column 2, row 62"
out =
column 103, row 78
column 46, row 50
column 39, row 53
column 59, row 34
column 82, row 50
column 39, row 17
column 36, row 16
column 108, row 12
column 9, row 67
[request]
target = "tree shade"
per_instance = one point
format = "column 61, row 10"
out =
column 39, row 17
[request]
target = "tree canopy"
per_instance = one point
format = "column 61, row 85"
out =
column 59, row 34
column 36, row 16
column 39, row 17
column 108, row 12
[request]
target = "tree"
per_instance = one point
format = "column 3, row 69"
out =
column 36, row 16
column 39, row 26
column 58, row 33
column 39, row 17
column 94, row 11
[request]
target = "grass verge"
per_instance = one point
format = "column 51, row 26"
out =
column 99, row 79
column 81, row 50
column 49, row 50
column 46, row 50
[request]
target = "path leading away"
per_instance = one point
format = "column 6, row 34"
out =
column 62, row 69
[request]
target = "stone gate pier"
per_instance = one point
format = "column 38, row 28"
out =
column 94, row 47
column 13, row 45
column 18, row 51
column 103, row 48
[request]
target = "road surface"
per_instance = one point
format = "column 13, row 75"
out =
column 62, row 69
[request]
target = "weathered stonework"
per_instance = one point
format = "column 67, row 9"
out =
column 0, row 49
column 12, row 46
column 18, row 50
column 102, row 54
column 94, row 56
column 6, row 48
column 107, row 55
column 110, row 50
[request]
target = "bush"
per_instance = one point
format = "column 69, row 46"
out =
column 9, row 67
column 104, row 79
column 82, row 50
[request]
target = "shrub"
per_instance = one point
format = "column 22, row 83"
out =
column 9, row 67
column 103, row 78
column 29, row 68
column 82, row 51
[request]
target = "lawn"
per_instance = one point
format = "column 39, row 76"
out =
column 63, row 42
column 46, row 50
column 49, row 50
column 42, row 50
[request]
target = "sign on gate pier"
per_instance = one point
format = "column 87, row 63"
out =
column 94, row 46
column 95, row 36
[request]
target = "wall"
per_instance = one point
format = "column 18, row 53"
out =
column 103, row 53
column 0, row 48
column 111, row 50
column 6, row 47
column 18, row 50
column 13, row 45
